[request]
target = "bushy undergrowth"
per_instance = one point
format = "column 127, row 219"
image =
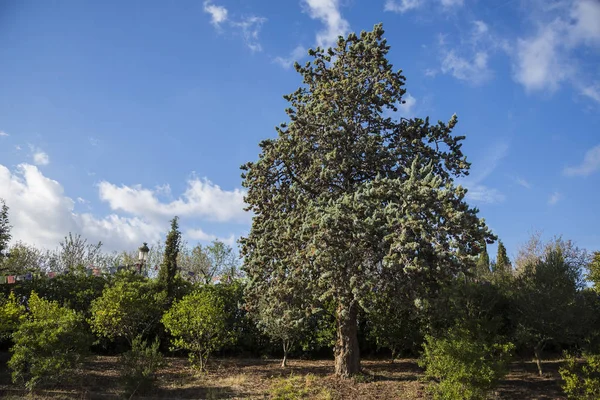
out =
column 463, row 367
column 581, row 379
column 139, row 366
column 48, row 344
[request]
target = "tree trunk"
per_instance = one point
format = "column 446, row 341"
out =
column 285, row 351
column 537, row 350
column 347, row 358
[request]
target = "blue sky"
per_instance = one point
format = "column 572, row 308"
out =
column 115, row 116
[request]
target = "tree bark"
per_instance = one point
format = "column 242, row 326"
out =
column 285, row 351
column 347, row 357
column 537, row 350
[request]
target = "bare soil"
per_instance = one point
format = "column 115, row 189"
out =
column 257, row 379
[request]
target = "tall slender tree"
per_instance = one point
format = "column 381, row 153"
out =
column 348, row 200
column 5, row 228
column 502, row 261
column 168, row 268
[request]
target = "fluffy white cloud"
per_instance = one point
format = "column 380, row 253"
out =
column 589, row 165
column 402, row 6
column 539, row 64
column 2, row 133
column 490, row 160
column 327, row 11
column 548, row 58
column 592, row 91
column 554, row 198
column 202, row 199
column 42, row 214
column 39, row 156
column 295, row 55
column 218, row 14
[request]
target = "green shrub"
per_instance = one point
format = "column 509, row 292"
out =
column 463, row 367
column 128, row 309
column 198, row 323
column 139, row 366
column 11, row 314
column 49, row 343
column 581, row 379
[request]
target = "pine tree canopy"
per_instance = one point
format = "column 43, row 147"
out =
column 351, row 200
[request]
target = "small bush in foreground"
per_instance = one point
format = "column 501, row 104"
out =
column 198, row 324
column 49, row 343
column 139, row 366
column 463, row 367
column 582, row 380
column 11, row 314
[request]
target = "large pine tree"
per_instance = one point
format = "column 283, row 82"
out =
column 350, row 201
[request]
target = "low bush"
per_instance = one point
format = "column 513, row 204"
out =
column 581, row 379
column 464, row 367
column 48, row 344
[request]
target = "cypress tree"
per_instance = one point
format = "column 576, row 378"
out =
column 502, row 260
column 168, row 268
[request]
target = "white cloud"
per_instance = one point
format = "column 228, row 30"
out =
column 430, row 72
column 295, row 55
column 2, row 133
column 199, row 234
column 250, row 27
column 484, row 194
column 589, row 165
column 41, row 214
column 539, row 65
column 554, row 198
column 480, row 27
column 524, row 183
column 327, row 11
column 402, row 6
column 407, row 108
column 474, row 70
column 592, row 91
column 218, row 14
column 202, row 199
column 452, row 3
column 39, row 156
column 17, row 147
column 549, row 57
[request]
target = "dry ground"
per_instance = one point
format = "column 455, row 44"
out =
column 258, row 379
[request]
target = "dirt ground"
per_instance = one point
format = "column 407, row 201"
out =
column 264, row 379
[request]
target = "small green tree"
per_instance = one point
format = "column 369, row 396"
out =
column 130, row 308
column 464, row 366
column 139, row 366
column 198, row 324
column 502, row 261
column 283, row 322
column 49, row 343
column 168, row 268
column 545, row 298
column 11, row 315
